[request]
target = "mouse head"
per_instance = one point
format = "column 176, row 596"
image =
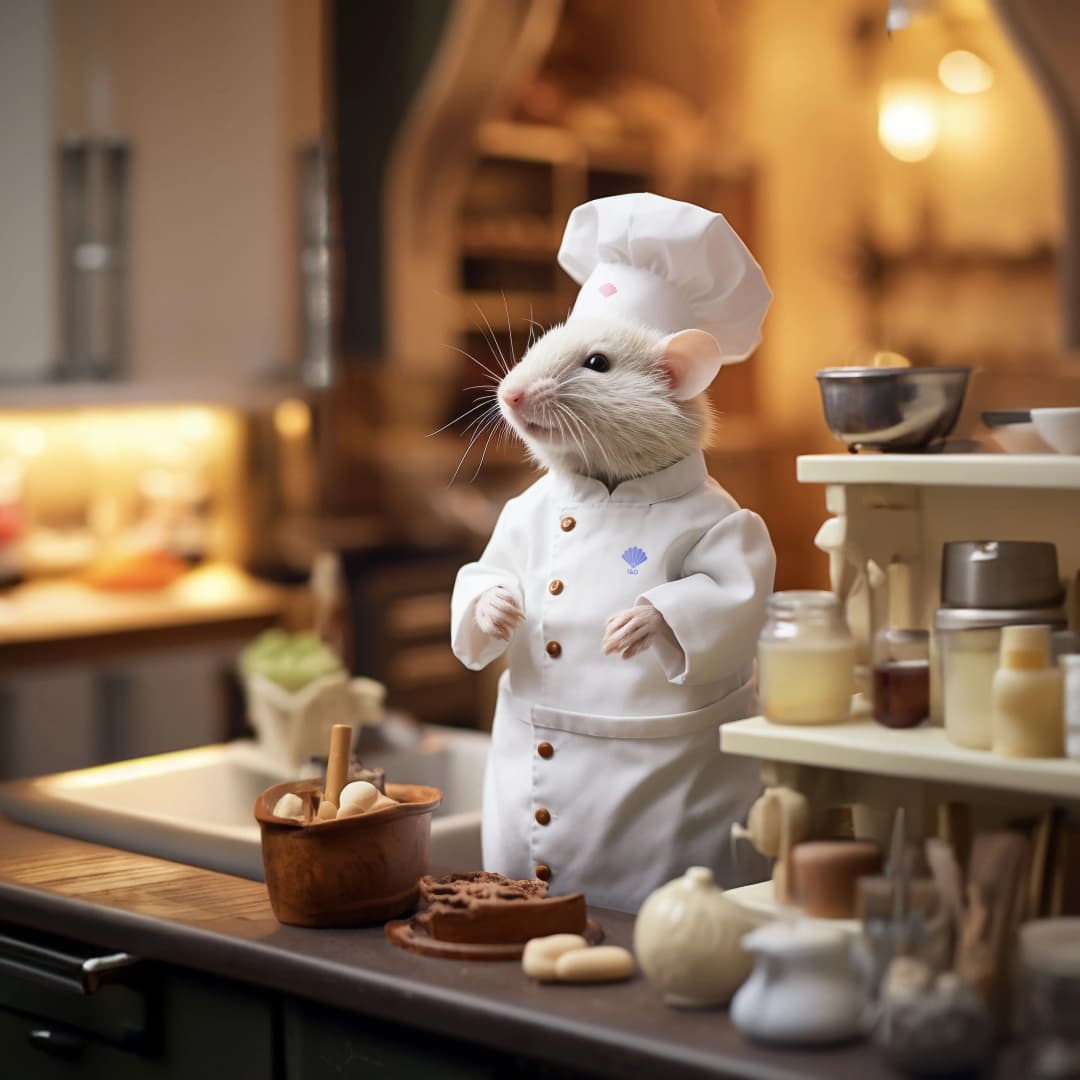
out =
column 611, row 400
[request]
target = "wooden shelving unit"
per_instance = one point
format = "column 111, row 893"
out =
column 907, row 506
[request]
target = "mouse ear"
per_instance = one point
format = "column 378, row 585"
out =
column 690, row 359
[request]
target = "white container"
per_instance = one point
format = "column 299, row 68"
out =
column 802, row 989
column 806, row 659
column 1027, row 715
column 292, row 728
column 968, row 645
column 1070, row 668
column 687, row 941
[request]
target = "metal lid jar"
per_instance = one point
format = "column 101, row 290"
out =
column 806, row 659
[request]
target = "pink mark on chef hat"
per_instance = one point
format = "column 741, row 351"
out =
column 607, row 289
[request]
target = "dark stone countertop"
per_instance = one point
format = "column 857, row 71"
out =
column 222, row 925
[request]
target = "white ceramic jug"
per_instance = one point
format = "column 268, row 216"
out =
column 802, row 989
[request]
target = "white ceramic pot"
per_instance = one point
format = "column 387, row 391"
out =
column 291, row 728
column 802, row 989
column 687, row 940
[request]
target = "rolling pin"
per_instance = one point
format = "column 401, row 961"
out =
column 337, row 763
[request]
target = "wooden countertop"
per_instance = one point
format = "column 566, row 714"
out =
column 54, row 622
column 223, row 925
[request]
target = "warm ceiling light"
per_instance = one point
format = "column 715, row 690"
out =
column 907, row 122
column 963, row 72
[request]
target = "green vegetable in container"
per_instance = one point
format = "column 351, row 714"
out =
column 290, row 660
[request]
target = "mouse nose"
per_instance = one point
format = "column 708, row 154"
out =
column 513, row 398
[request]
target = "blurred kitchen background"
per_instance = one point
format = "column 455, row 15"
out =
column 246, row 245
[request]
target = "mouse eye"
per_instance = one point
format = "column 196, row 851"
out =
column 597, row 362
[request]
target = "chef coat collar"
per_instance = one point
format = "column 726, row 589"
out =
column 678, row 479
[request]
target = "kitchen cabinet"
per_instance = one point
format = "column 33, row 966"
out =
column 160, row 150
column 70, row 717
column 152, row 1022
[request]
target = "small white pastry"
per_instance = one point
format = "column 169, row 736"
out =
column 357, row 797
column 356, row 809
column 603, row 963
column 290, row 806
column 541, row 954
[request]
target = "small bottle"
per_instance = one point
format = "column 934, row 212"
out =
column 1026, row 697
column 901, row 677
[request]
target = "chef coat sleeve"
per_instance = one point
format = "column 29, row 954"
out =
column 717, row 608
column 499, row 565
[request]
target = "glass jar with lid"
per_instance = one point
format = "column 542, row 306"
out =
column 806, row 659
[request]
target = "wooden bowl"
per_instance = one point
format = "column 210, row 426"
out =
column 348, row 871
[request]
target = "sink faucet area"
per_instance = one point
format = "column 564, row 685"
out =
column 195, row 806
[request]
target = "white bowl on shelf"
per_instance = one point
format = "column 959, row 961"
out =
column 1059, row 427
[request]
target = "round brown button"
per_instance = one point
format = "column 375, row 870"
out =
column 553, row 649
column 567, row 524
column 543, row 871
column 545, row 749
column 543, row 816
column 555, row 587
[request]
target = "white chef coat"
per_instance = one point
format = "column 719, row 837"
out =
column 607, row 771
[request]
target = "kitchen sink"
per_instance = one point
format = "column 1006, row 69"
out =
column 195, row 806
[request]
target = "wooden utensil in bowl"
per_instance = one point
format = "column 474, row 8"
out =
column 348, row 871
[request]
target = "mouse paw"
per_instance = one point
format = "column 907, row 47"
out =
column 628, row 632
column 497, row 613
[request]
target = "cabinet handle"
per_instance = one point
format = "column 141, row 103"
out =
column 52, row 964
column 57, row 1042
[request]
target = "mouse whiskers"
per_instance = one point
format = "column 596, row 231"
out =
column 509, row 329
column 482, row 404
column 479, row 363
column 491, row 339
column 487, row 422
column 585, row 429
column 564, row 419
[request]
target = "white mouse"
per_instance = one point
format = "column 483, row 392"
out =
column 613, row 401
column 625, row 587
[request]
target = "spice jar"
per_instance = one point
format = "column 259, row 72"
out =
column 806, row 659
column 901, row 677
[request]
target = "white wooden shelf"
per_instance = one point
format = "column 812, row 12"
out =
column 1052, row 471
column 922, row 753
column 759, row 902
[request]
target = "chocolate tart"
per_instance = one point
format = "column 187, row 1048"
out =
column 486, row 916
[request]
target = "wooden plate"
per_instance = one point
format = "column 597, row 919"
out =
column 406, row 934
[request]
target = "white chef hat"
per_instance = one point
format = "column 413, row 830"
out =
column 670, row 265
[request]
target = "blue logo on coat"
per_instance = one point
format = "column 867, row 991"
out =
column 634, row 557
